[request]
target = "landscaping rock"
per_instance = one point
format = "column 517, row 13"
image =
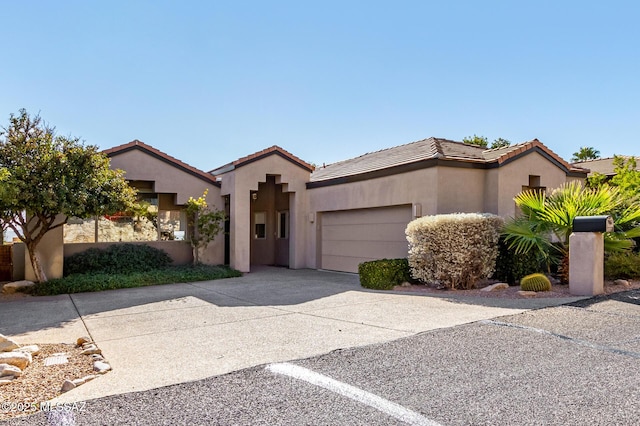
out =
column 89, row 378
column 90, row 350
column 101, row 367
column 495, row 287
column 67, row 386
column 17, row 286
column 527, row 293
column 19, row 359
column 6, row 380
column 32, row 349
column 622, row 282
column 82, row 340
column 97, row 357
column 7, row 344
column 9, row 370
column 78, row 382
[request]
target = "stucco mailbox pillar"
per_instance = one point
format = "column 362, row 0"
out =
column 586, row 255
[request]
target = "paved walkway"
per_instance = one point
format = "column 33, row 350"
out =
column 163, row 335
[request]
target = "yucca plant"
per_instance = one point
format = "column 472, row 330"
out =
column 547, row 220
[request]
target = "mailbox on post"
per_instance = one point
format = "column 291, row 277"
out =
column 593, row 224
column 586, row 254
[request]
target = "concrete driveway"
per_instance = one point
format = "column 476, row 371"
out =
column 163, row 335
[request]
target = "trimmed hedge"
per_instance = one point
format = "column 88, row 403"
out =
column 454, row 250
column 383, row 274
column 117, row 259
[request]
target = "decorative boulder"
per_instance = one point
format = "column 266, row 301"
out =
column 19, row 359
column 7, row 344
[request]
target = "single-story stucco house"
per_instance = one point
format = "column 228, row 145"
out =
column 284, row 212
column 604, row 166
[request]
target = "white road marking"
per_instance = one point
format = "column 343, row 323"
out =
column 390, row 408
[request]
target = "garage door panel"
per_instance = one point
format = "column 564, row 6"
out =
column 364, row 232
column 362, row 216
column 371, row 251
column 354, row 236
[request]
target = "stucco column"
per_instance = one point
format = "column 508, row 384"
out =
column 240, row 232
column 586, row 263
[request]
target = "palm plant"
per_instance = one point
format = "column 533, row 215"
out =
column 585, row 153
column 546, row 223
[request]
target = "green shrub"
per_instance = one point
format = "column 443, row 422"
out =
column 622, row 265
column 511, row 267
column 78, row 283
column 117, row 259
column 454, row 250
column 383, row 274
column 535, row 282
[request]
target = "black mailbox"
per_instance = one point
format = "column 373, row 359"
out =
column 593, row 224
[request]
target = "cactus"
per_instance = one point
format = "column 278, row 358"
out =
column 535, row 282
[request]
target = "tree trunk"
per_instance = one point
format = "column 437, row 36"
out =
column 196, row 258
column 38, row 269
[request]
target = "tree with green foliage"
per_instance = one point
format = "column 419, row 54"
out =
column 204, row 224
column 549, row 217
column 585, row 153
column 484, row 142
column 51, row 178
column 476, row 140
column 500, row 143
column 627, row 176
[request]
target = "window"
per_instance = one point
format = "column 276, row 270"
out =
column 260, row 225
column 283, row 224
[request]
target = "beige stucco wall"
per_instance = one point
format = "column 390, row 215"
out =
column 239, row 182
column 460, row 190
column 513, row 176
column 169, row 179
column 139, row 165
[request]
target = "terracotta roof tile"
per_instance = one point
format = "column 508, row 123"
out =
column 136, row 144
column 432, row 149
column 261, row 154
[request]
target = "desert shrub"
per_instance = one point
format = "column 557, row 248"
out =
column 383, row 274
column 535, row 282
column 511, row 266
column 622, row 265
column 454, row 250
column 117, row 259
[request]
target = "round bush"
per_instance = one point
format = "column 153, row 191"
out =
column 117, row 259
column 454, row 250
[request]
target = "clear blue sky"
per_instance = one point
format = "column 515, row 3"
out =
column 211, row 81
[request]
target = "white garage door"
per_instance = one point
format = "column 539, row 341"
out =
column 350, row 237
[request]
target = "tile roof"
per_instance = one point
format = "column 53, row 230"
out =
column 603, row 165
column 273, row 150
column 436, row 149
column 136, row 144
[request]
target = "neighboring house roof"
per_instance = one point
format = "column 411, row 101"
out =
column 148, row 149
column 604, row 165
column 428, row 153
column 274, row 150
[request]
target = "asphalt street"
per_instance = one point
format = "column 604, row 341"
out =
column 568, row 365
